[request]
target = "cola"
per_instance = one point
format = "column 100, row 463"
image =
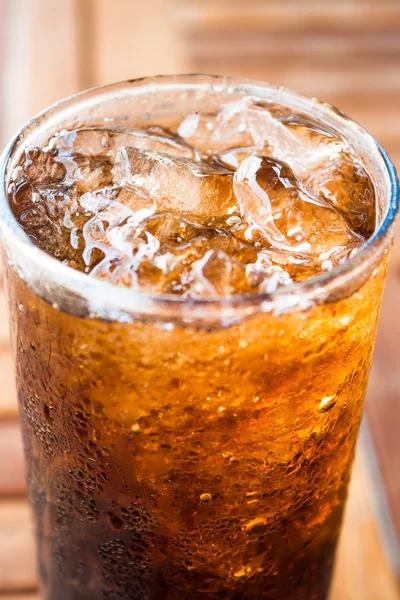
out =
column 203, row 449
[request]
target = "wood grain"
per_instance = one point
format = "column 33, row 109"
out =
column 22, row 596
column 320, row 47
column 8, row 397
column 12, row 465
column 17, row 554
column 290, row 15
column 136, row 39
column 4, row 329
column 362, row 568
column 333, row 81
column 41, row 58
column 383, row 400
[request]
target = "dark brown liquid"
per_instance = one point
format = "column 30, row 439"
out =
column 186, row 463
column 179, row 462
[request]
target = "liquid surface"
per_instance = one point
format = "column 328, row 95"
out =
column 245, row 200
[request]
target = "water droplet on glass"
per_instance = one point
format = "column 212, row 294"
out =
column 258, row 525
column 205, row 497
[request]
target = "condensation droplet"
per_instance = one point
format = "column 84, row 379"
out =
column 231, row 221
column 205, row 497
column 327, row 402
column 245, row 571
column 258, row 525
column 227, row 455
column 114, row 522
column 251, row 502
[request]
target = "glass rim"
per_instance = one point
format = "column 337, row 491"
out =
column 133, row 300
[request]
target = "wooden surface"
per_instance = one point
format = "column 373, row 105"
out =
column 346, row 52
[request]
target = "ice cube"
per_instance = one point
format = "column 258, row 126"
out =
column 234, row 156
column 96, row 230
column 276, row 277
column 33, row 216
column 139, row 205
column 303, row 147
column 105, row 141
column 276, row 205
column 195, row 189
column 45, row 214
column 86, row 173
column 345, row 184
column 42, row 168
column 59, row 200
column 116, row 242
column 212, row 133
column 215, row 274
column 303, row 126
column 144, row 208
column 249, row 126
column 131, row 256
column 265, row 275
column 175, row 231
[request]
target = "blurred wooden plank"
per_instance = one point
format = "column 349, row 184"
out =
column 84, row 24
column 325, row 81
column 362, row 570
column 4, row 329
column 55, row 58
column 8, row 396
column 41, row 58
column 2, row 34
column 27, row 596
column 17, row 550
column 381, row 119
column 12, row 465
column 272, row 15
column 313, row 46
column 383, row 399
column 136, row 39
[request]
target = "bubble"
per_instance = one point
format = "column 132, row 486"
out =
column 114, row 522
column 206, row 497
column 256, row 526
column 244, row 572
column 327, row 403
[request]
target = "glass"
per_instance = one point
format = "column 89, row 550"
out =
column 189, row 449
